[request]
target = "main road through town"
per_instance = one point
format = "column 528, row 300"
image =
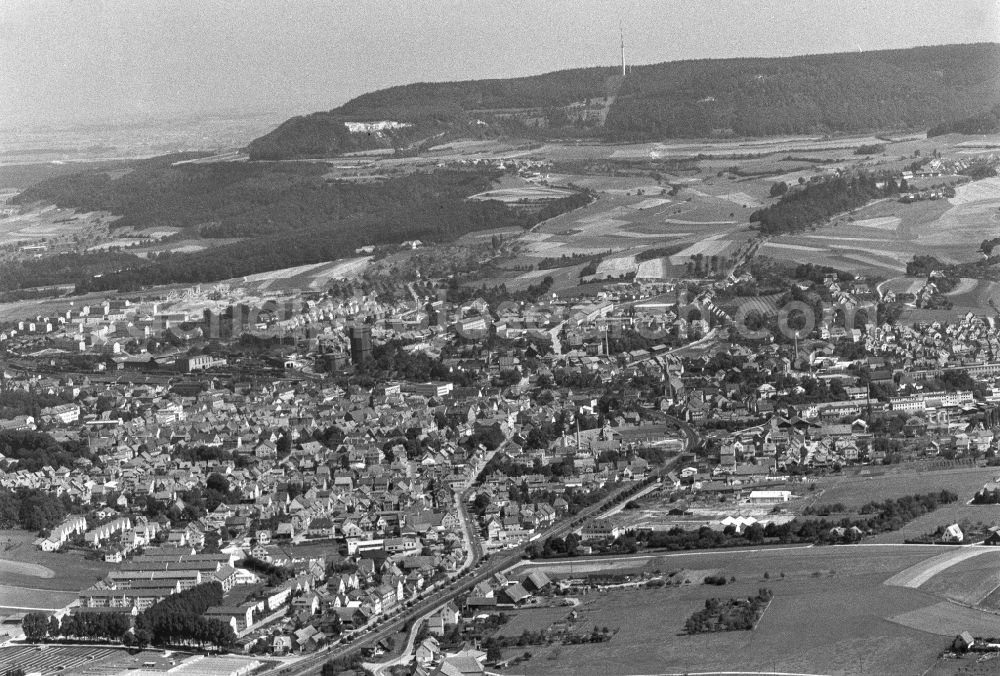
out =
column 481, row 569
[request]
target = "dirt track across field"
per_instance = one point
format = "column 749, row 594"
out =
column 916, row 575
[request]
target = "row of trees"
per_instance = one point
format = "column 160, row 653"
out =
column 89, row 626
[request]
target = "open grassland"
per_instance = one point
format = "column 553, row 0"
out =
column 177, row 246
column 889, row 223
column 948, row 619
column 975, row 293
column 879, row 485
column 946, row 515
column 742, row 199
column 30, row 598
column 830, row 605
column 900, row 285
column 652, row 269
column 651, row 203
column 710, row 246
column 8, row 567
column 966, row 224
column 533, row 620
column 24, row 566
column 921, row 574
column 617, row 266
column 882, row 483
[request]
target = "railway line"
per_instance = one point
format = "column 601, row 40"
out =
column 483, row 567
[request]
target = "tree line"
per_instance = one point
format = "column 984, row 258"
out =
column 874, row 517
column 275, row 574
column 817, row 201
column 34, row 450
column 178, row 619
column 731, row 615
column 88, row 626
column 985, row 122
column 175, row 620
column 33, row 509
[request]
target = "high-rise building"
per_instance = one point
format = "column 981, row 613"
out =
column 361, row 342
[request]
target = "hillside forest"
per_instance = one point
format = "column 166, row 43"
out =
column 280, row 214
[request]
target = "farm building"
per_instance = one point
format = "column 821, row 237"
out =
column 953, row 534
column 963, row 642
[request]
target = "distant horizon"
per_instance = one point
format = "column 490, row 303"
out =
column 146, row 63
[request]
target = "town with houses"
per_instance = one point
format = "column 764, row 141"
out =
column 482, row 379
column 323, row 510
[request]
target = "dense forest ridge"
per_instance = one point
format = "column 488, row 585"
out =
column 279, row 216
column 826, row 93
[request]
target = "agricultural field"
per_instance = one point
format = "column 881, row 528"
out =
column 761, row 147
column 52, row 227
column 616, row 266
column 829, row 602
column 312, row 277
column 629, row 216
column 523, row 194
column 881, row 237
column 970, row 581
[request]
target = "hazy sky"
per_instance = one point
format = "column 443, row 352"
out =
column 89, row 60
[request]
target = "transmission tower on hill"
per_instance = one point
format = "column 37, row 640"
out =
column 621, row 35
